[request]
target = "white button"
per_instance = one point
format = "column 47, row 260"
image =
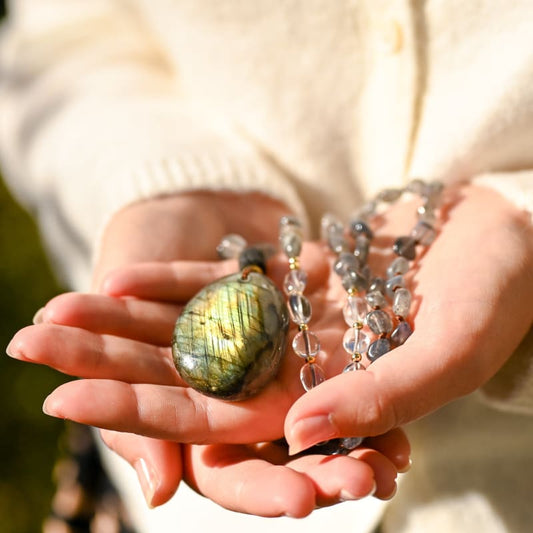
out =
column 391, row 36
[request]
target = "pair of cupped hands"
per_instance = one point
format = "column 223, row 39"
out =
column 471, row 291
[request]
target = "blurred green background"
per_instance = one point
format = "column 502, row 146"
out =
column 28, row 438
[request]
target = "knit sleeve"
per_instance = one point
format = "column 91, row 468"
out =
column 511, row 389
column 94, row 118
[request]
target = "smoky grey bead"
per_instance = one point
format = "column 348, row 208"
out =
column 402, row 302
column 393, row 284
column 378, row 348
column 291, row 243
column 379, row 322
column 416, row 186
column 401, row 333
column 423, row 233
column 376, row 299
column 389, row 195
column 337, row 243
column 289, row 221
column 399, row 266
column 377, row 284
column 354, row 281
column 359, row 227
column 362, row 247
column 346, row 262
column 405, row 247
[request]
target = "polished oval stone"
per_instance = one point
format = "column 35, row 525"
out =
column 229, row 339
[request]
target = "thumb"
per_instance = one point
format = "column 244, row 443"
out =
column 405, row 384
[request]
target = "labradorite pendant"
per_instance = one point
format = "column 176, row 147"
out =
column 229, row 339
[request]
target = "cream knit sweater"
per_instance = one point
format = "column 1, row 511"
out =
column 319, row 103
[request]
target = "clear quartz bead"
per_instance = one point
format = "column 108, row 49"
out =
column 291, row 243
column 231, row 246
column 402, row 302
column 351, row 443
column 295, row 281
column 423, row 233
column 299, row 308
column 346, row 262
column 311, row 375
column 376, row 299
column 354, row 310
column 401, row 333
column 290, row 221
column 393, row 284
column 399, row 266
column 306, row 344
column 379, row 322
column 355, row 341
column 353, row 366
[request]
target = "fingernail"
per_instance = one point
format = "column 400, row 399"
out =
column 13, row 350
column 407, row 467
column 38, row 317
column 345, row 495
column 51, row 407
column 392, row 494
column 148, row 479
column 309, row 431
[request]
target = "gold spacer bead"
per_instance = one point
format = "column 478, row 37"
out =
column 358, row 325
column 356, row 357
column 303, row 327
column 352, row 291
column 294, row 263
column 310, row 359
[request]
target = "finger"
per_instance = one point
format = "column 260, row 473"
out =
column 394, row 445
column 235, row 478
column 141, row 320
column 81, row 353
column 157, row 463
column 403, row 386
column 170, row 413
column 176, row 281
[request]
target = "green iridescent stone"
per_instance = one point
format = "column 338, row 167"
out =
column 229, row 339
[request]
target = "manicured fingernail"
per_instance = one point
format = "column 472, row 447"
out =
column 13, row 350
column 309, row 431
column 38, row 317
column 407, row 467
column 345, row 495
column 148, row 479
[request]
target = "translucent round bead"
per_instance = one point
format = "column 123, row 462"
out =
column 379, row 322
column 359, row 227
column 399, row 266
column 354, row 281
column 291, row 243
column 351, row 443
column 354, row 310
column 330, row 224
column 295, row 281
column 311, row 375
column 306, row 344
column 393, row 284
column 416, row 186
column 299, row 308
column 401, row 333
column 355, row 341
column 378, row 348
column 401, row 303
column 346, row 262
column 353, row 366
column 405, row 247
column 376, row 299
column 423, row 233
column 231, row 246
